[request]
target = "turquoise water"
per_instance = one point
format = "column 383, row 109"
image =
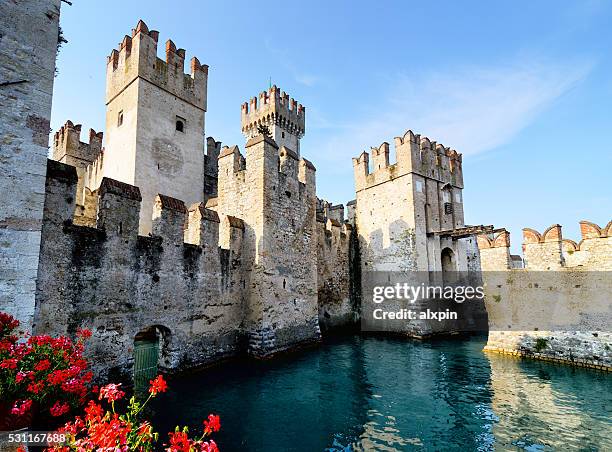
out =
column 390, row 394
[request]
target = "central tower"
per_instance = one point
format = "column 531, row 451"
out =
column 284, row 117
column 155, row 121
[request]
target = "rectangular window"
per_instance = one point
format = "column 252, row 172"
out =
column 448, row 208
column 419, row 186
column 120, row 118
column 457, row 197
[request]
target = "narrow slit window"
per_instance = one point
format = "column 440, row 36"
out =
column 120, row 118
column 180, row 124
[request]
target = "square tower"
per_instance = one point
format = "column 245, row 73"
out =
column 155, row 121
column 284, row 117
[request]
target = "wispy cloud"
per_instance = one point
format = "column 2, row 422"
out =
column 472, row 109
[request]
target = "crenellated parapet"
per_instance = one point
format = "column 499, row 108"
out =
column 273, row 107
column 68, row 147
column 263, row 156
column 136, row 56
column 326, row 209
column 494, row 251
column 414, row 154
column 549, row 250
column 283, row 116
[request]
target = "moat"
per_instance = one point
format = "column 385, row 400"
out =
column 370, row 393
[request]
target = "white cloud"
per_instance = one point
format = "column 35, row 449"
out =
column 471, row 109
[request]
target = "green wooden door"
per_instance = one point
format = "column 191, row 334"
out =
column 146, row 353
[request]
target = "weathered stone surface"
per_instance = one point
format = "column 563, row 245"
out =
column 274, row 195
column 119, row 284
column 557, row 307
column 337, row 308
column 28, row 44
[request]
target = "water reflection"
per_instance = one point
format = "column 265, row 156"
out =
column 385, row 394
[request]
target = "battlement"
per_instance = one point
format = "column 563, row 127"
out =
column 276, row 163
column 414, row 154
column 273, row 107
column 549, row 250
column 500, row 239
column 119, row 205
column 67, row 144
column 136, row 56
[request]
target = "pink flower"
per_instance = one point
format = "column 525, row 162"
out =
column 111, row 392
column 21, row 407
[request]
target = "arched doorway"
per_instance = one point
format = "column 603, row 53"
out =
column 448, row 266
column 150, row 353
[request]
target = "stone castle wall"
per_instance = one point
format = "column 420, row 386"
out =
column 29, row 37
column 557, row 308
column 337, row 305
column 118, row 284
column 273, row 191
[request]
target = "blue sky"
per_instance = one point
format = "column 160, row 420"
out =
column 522, row 89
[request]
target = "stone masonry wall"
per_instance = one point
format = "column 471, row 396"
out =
column 336, row 307
column 109, row 279
column 557, row 308
column 273, row 191
column 29, row 34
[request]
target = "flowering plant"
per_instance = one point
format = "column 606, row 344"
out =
column 42, row 370
column 108, row 430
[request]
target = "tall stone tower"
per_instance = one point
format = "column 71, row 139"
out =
column 155, row 121
column 272, row 191
column 284, row 117
column 410, row 224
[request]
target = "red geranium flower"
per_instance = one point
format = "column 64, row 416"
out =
column 212, row 424
column 84, row 333
column 93, row 411
column 179, row 442
column 158, row 385
column 59, row 408
column 10, row 363
column 209, row 446
column 42, row 365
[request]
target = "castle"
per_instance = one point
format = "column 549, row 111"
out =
column 146, row 236
column 152, row 234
